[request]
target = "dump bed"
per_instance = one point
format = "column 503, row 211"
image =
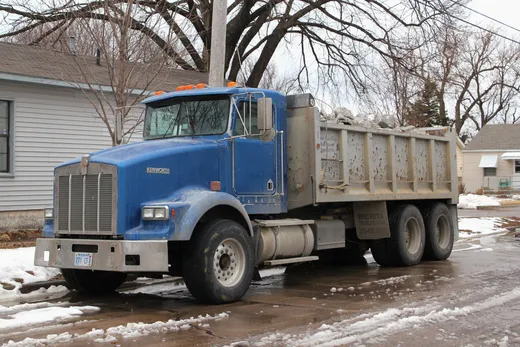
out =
column 340, row 163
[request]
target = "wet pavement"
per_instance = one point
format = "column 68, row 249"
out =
column 473, row 299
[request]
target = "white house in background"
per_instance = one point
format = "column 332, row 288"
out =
column 491, row 161
column 46, row 119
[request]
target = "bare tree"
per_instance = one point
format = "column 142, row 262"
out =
column 393, row 85
column 113, row 65
column 284, row 82
column 334, row 38
column 486, row 81
column 509, row 115
column 476, row 76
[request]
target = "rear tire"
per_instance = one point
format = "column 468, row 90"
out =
column 439, row 232
column 219, row 264
column 405, row 247
column 93, row 282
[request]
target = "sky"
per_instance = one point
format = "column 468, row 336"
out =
column 504, row 10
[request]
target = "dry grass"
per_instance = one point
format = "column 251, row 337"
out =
column 462, row 188
column 7, row 286
column 509, row 223
column 510, row 203
column 17, row 239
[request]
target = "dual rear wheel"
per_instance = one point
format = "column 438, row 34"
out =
column 415, row 235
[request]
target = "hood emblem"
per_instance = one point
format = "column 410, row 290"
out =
column 158, row 170
column 84, row 164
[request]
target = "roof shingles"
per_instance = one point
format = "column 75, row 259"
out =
column 61, row 66
column 496, row 137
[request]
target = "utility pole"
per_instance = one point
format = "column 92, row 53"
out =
column 218, row 43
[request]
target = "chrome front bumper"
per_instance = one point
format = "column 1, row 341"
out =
column 107, row 255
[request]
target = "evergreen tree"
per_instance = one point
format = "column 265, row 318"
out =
column 424, row 112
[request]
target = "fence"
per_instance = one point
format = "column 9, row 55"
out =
column 501, row 184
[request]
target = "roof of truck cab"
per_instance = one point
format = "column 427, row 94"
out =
column 205, row 91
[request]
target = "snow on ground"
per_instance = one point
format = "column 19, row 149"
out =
column 16, row 268
column 374, row 328
column 28, row 306
column 156, row 288
column 36, row 316
column 469, row 227
column 113, row 334
column 53, row 292
column 472, row 201
column 388, row 281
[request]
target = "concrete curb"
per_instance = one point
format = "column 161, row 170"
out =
column 495, row 207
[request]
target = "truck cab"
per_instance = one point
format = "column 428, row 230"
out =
column 205, row 153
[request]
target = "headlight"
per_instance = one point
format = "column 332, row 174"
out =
column 147, row 213
column 159, row 213
column 48, row 213
column 155, row 213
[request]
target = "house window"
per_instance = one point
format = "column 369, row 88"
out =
column 490, row 171
column 517, row 166
column 5, row 133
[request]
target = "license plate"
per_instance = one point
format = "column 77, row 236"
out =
column 83, row 259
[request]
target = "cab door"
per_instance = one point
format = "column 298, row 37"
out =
column 254, row 159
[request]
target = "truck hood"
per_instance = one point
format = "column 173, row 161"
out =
column 146, row 151
column 155, row 170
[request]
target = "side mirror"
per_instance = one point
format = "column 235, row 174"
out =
column 265, row 114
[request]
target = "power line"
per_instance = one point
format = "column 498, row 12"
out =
column 485, row 15
column 470, row 23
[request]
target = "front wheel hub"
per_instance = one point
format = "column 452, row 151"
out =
column 229, row 262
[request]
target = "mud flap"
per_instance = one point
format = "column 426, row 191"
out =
column 455, row 221
column 371, row 219
column 256, row 275
column 257, row 244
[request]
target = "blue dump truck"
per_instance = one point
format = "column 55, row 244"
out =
column 230, row 180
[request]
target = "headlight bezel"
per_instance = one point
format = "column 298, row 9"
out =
column 155, row 213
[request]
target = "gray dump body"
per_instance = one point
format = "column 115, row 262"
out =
column 340, row 163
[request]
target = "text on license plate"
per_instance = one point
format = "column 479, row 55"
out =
column 83, row 259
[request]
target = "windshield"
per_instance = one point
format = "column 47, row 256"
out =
column 187, row 117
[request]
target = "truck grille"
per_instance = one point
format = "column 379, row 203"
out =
column 85, row 203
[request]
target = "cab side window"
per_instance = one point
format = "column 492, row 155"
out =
column 247, row 114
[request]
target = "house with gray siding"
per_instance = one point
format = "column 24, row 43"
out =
column 46, row 117
column 491, row 161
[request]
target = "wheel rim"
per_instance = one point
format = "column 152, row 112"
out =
column 229, row 262
column 412, row 235
column 442, row 231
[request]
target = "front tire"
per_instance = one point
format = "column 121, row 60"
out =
column 439, row 232
column 219, row 264
column 93, row 282
column 405, row 247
